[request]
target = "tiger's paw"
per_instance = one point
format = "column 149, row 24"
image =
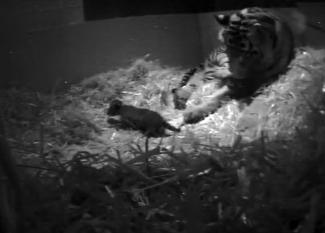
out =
column 180, row 97
column 194, row 116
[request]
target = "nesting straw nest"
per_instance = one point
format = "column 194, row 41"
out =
column 76, row 120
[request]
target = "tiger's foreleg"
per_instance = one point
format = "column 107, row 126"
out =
column 183, row 92
column 200, row 112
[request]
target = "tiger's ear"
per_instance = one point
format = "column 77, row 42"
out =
column 222, row 19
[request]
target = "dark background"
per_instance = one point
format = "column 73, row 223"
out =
column 45, row 43
column 100, row 9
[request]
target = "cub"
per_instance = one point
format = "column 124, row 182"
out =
column 150, row 123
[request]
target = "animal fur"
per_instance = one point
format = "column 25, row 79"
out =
column 150, row 123
column 257, row 46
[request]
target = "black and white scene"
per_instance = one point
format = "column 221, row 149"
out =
column 162, row 116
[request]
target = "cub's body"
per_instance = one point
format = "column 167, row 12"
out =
column 150, row 123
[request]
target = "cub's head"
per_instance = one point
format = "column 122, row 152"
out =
column 114, row 108
column 255, row 40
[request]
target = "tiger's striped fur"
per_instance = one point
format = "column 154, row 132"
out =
column 257, row 47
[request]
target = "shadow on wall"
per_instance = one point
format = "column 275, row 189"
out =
column 43, row 58
column 103, row 9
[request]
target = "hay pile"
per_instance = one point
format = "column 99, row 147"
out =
column 251, row 169
column 76, row 120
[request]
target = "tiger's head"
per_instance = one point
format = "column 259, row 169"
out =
column 258, row 43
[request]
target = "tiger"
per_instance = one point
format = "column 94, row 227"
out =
column 150, row 123
column 257, row 46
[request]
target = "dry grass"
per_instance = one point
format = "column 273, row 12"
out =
column 259, row 169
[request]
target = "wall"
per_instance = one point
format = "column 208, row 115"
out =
column 101, row 9
column 48, row 41
column 32, row 39
column 44, row 42
column 315, row 15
